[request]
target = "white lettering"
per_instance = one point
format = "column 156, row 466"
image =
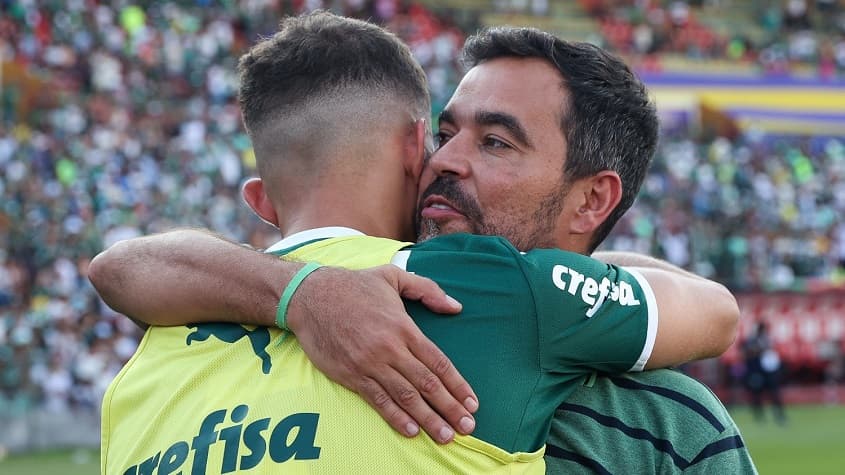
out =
column 577, row 278
column 627, row 298
column 604, row 290
column 593, row 293
column 557, row 274
column 589, row 291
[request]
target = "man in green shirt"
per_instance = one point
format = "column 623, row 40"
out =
column 494, row 148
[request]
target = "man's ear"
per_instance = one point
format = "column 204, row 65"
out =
column 597, row 197
column 418, row 145
column 257, row 199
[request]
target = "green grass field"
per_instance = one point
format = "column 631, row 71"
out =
column 66, row 462
column 811, row 443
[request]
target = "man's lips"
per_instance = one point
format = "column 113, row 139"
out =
column 438, row 208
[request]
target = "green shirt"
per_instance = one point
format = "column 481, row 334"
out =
column 224, row 397
column 532, row 325
column 655, row 422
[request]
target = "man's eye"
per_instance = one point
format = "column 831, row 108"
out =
column 494, row 143
column 441, row 138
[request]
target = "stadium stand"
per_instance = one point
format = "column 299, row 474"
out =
column 119, row 121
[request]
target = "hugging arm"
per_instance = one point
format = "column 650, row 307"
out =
column 351, row 324
column 185, row 277
column 698, row 318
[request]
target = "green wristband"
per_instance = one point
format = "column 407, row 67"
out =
column 284, row 301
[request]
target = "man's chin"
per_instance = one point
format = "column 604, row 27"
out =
column 429, row 229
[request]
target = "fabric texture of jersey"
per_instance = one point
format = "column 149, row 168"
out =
column 657, row 422
column 217, row 398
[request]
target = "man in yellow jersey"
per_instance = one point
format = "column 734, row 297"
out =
column 545, row 316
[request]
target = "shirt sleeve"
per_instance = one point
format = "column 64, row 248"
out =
column 591, row 314
column 582, row 314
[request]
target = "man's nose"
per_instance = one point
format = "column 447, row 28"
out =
column 452, row 158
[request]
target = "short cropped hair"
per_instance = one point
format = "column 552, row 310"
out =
column 609, row 121
column 321, row 60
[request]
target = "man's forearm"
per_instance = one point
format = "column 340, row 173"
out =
column 633, row 259
column 698, row 317
column 172, row 279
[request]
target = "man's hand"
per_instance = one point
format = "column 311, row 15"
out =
column 354, row 328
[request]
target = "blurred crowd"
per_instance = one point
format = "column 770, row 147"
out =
column 756, row 213
column 119, row 121
column 788, row 32
column 805, row 31
column 124, row 121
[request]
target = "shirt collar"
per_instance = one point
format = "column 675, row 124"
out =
column 312, row 234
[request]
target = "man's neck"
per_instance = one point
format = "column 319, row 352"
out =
column 306, row 221
column 346, row 211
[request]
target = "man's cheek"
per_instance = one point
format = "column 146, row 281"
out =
column 426, row 178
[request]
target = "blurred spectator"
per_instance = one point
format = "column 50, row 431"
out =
column 796, row 16
column 56, row 385
column 762, row 372
column 833, row 354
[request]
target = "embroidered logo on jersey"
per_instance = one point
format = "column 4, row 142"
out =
column 592, row 292
column 250, row 442
column 259, row 338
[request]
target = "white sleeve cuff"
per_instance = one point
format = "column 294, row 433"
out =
column 651, row 331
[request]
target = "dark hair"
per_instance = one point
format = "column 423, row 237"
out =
column 609, row 122
column 325, row 56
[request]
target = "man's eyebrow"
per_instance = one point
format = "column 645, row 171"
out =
column 509, row 122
